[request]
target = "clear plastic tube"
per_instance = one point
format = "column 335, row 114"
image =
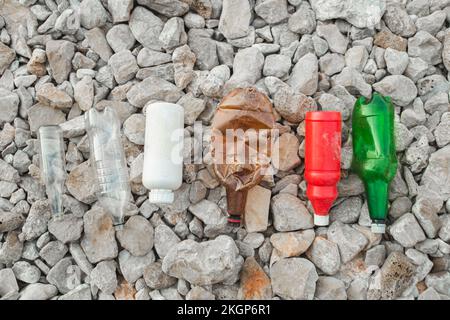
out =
column 108, row 161
column 52, row 163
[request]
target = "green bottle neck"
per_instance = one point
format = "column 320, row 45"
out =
column 377, row 199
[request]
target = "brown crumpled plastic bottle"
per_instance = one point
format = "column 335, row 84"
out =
column 242, row 109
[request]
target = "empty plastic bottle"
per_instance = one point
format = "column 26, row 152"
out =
column 322, row 161
column 242, row 110
column 374, row 157
column 52, row 163
column 163, row 151
column 108, row 161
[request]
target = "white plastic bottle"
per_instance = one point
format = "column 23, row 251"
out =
column 163, row 158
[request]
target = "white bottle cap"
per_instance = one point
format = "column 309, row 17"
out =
column 321, row 220
column 161, row 196
column 378, row 228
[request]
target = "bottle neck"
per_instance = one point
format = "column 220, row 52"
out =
column 236, row 204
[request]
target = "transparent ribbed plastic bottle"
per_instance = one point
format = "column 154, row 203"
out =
column 52, row 165
column 108, row 161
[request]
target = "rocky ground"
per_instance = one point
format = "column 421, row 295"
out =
column 59, row 58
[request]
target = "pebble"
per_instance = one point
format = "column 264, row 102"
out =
column 38, row 291
column 103, row 276
column 329, row 288
column 294, row 279
column 155, row 278
column 325, row 255
column 349, row 240
column 291, row 244
column 185, row 261
column 289, row 213
column 255, row 284
column 132, row 267
column 407, row 231
column 153, row 88
column 98, row 241
column 136, row 236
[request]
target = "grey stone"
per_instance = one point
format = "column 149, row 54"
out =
column 26, row 272
column 304, row 76
column 198, row 293
column 440, row 281
column 123, row 66
column 8, row 282
column 98, row 241
column 214, row 82
column 406, row 230
column 325, row 255
column 80, row 258
column 272, row 11
column 294, row 279
column 336, row 41
column 38, row 291
column 398, row 21
column 92, row 14
column 347, row 211
column 103, row 276
column 80, row 183
column 353, row 81
column 442, row 131
column 97, row 42
column 11, row 251
column 64, row 275
column 193, row 107
column 444, row 232
column 303, row 20
column 426, row 215
column 169, row 8
column 396, row 61
column 136, row 236
column 53, row 252
column 10, row 221
column 276, row 65
column 416, row 69
column 349, row 240
column 132, row 267
column 247, row 66
column 186, row 261
column 356, row 57
column 82, row 292
column 150, row 58
column 429, row 294
column 120, row 38
column 120, row 10
column 289, row 213
column 134, row 128
column 173, row 34
column 7, row 56
column 183, row 62
column 153, row 88
column 84, row 93
column 235, row 19
column 375, row 256
column 426, row 47
column 401, row 89
column 329, row 288
column 431, row 23
column 399, row 207
column 292, row 244
column 146, row 28
column 10, row 105
column 36, row 222
column 165, row 240
column 155, row 278
column 360, row 14
column 204, row 48
column 59, row 55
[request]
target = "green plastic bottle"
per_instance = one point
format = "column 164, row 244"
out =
column 374, row 157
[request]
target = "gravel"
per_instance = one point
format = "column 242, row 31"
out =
column 60, row 59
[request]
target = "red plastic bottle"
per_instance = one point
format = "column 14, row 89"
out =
column 322, row 161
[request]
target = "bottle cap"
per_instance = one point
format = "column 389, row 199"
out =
column 161, row 196
column 320, row 220
column 378, row 228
